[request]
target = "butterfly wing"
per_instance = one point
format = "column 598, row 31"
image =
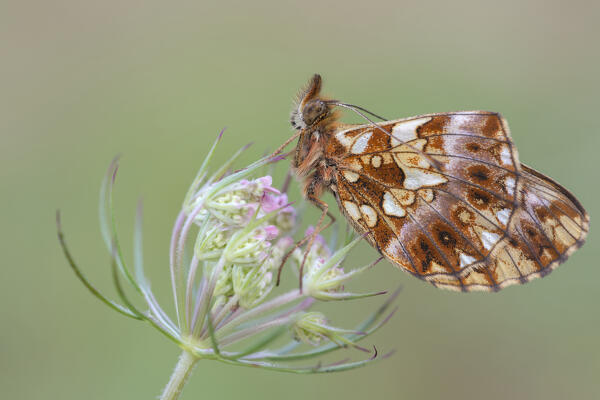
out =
column 444, row 197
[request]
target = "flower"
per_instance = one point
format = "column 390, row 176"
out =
column 238, row 203
column 225, row 291
column 323, row 277
column 308, row 328
column 312, row 328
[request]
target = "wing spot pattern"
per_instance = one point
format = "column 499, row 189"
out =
column 376, row 161
column 370, row 216
column 391, row 206
column 352, row 210
column 530, row 241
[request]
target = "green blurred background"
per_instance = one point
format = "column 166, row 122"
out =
column 155, row 81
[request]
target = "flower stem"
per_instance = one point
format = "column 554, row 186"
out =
column 182, row 371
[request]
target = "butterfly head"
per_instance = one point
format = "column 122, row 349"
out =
column 310, row 107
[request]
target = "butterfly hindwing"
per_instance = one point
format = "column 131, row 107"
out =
column 444, row 197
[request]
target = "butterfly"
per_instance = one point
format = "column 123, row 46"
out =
column 441, row 196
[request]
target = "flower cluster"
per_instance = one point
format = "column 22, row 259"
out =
column 237, row 204
column 229, row 241
column 242, row 223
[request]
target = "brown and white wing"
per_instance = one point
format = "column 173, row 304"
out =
column 444, row 197
column 548, row 226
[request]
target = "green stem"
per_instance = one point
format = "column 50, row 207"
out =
column 182, row 371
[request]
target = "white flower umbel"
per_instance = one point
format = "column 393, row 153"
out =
column 227, row 246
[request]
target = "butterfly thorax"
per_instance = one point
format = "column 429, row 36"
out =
column 317, row 123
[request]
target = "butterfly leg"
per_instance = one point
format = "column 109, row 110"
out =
column 280, row 148
column 311, row 191
column 287, row 181
column 301, row 242
column 324, row 207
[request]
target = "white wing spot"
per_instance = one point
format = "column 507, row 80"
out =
column 466, row 260
column 510, row 185
column 391, row 206
column 376, row 161
column 505, row 156
column 345, row 140
column 351, row 176
column 437, row 268
column 503, row 216
column 361, row 143
column 405, row 197
column 394, row 248
column 352, row 210
column 416, row 178
column 426, row 194
column 414, row 164
column 369, row 215
column 406, row 131
column 489, row 239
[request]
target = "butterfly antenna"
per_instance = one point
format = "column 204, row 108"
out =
column 359, row 108
column 375, row 125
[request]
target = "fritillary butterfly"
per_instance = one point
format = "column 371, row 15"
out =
column 442, row 196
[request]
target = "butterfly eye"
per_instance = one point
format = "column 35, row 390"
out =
column 314, row 111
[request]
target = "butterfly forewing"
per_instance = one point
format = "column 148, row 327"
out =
column 443, row 196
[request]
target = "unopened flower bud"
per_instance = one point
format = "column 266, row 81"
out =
column 323, row 277
column 310, row 327
column 224, row 284
column 211, row 242
column 278, row 251
column 251, row 284
column 238, row 202
column 251, row 247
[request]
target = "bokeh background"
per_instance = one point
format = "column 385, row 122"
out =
column 155, row 81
